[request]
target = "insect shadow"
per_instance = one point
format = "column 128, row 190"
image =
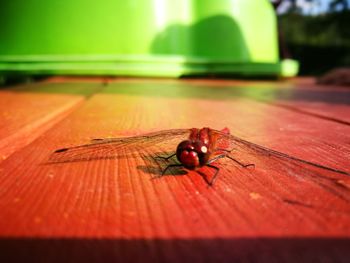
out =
column 156, row 165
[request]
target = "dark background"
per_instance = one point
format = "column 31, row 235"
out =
column 319, row 38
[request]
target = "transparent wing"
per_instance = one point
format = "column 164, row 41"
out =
column 162, row 142
column 274, row 164
column 291, row 176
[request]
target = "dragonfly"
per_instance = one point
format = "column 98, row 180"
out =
column 196, row 148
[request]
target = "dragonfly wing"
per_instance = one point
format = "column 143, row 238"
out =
column 242, row 146
column 273, row 167
column 239, row 147
column 289, row 173
column 109, row 148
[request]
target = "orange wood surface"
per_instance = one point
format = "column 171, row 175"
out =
column 112, row 210
column 329, row 102
column 27, row 112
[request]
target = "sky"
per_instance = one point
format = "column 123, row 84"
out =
column 313, row 8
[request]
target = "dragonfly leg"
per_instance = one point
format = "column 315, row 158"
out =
column 210, row 182
column 224, row 150
column 241, row 164
column 166, row 168
column 216, row 158
column 165, row 158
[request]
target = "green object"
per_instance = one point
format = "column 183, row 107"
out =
column 139, row 38
column 289, row 68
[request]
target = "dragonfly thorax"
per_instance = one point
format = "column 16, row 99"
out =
column 192, row 154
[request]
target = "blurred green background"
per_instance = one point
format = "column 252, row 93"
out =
column 161, row 38
column 165, row 38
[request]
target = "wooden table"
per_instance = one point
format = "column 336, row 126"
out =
column 110, row 209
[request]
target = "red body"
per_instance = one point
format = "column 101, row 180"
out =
column 197, row 150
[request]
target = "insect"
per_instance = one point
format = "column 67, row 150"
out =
column 201, row 149
column 195, row 148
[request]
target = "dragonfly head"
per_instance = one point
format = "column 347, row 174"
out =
column 192, row 154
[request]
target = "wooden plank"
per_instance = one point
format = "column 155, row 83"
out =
column 328, row 102
column 26, row 111
column 110, row 209
column 268, row 126
column 324, row 102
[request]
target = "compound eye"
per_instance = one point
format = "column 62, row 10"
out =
column 187, row 155
column 200, row 148
column 202, row 151
column 189, row 159
column 185, row 145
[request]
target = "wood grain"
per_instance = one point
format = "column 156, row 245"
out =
column 112, row 209
column 26, row 111
column 328, row 102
